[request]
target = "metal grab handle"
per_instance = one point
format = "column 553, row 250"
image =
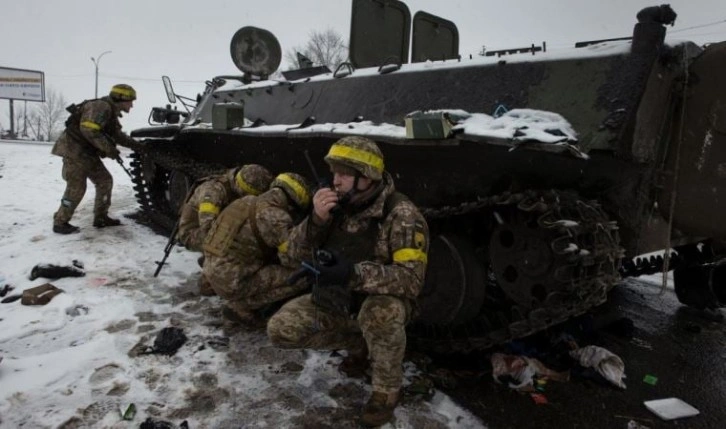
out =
column 338, row 73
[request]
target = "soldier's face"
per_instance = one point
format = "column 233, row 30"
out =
column 126, row 106
column 343, row 182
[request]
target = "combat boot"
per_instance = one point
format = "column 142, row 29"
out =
column 379, row 408
column 240, row 316
column 65, row 228
column 104, row 221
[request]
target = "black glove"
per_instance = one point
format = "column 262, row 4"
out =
column 334, row 269
column 331, row 286
column 113, row 153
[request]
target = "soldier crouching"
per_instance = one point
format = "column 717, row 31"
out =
column 245, row 253
column 208, row 198
column 364, row 293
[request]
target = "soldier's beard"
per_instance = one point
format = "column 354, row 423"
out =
column 361, row 198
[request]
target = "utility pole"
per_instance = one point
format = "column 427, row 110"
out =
column 12, row 120
column 96, row 62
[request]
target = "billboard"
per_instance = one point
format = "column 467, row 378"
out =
column 19, row 84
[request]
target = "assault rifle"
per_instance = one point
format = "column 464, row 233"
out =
column 121, row 163
column 167, row 249
column 172, row 238
column 323, row 257
column 335, row 297
column 118, row 158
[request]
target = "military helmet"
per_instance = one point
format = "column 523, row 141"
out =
column 252, row 179
column 122, row 92
column 359, row 153
column 296, row 188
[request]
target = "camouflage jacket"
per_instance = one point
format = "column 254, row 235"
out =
column 97, row 133
column 397, row 264
column 210, row 197
column 273, row 220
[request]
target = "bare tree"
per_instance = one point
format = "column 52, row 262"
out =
column 19, row 122
column 49, row 115
column 16, row 122
column 323, row 48
column 9, row 119
column 35, row 127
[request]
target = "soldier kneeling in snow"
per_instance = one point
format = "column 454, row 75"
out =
column 209, row 197
column 245, row 253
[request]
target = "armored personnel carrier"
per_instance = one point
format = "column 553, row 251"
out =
column 542, row 174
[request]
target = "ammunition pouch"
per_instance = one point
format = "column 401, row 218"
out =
column 73, row 125
column 222, row 235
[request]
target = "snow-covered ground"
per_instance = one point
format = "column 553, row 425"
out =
column 68, row 364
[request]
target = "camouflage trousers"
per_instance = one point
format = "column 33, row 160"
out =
column 380, row 324
column 191, row 238
column 265, row 286
column 75, row 173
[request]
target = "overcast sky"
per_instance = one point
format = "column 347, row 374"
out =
column 189, row 40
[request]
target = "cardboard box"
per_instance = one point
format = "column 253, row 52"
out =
column 39, row 295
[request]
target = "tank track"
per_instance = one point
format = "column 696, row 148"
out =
column 685, row 255
column 584, row 277
column 645, row 265
column 149, row 200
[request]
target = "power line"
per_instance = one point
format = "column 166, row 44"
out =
column 149, row 79
column 669, row 32
column 723, row 33
column 698, row 26
column 70, row 76
column 87, row 75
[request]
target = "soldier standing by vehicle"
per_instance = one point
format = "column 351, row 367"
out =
column 245, row 253
column 209, row 198
column 361, row 300
column 92, row 132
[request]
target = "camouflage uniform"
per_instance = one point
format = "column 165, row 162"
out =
column 387, row 240
column 214, row 194
column 82, row 145
column 245, row 253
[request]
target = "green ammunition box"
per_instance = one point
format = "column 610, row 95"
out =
column 430, row 125
column 226, row 116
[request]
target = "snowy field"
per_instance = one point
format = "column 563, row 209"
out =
column 69, row 364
